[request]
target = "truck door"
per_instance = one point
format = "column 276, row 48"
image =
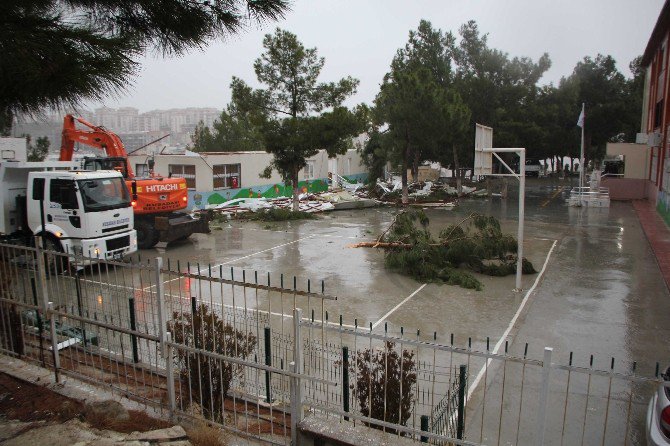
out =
column 62, row 207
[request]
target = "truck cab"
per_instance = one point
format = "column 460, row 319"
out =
column 78, row 212
column 89, row 213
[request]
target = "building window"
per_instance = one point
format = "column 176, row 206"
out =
column 658, row 114
column 227, row 176
column 186, row 171
column 309, row 170
column 141, row 170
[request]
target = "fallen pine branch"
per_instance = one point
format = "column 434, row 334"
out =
column 381, row 245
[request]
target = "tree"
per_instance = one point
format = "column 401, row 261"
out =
column 603, row 90
column 417, row 104
column 498, row 90
column 202, row 139
column 477, row 244
column 239, row 126
column 59, row 53
column 375, row 154
column 40, row 150
column 293, row 140
column 296, row 124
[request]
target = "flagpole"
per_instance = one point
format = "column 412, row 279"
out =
column 581, row 162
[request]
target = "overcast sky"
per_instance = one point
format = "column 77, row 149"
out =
column 359, row 38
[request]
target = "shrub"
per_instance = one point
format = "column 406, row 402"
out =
column 210, row 378
column 385, row 384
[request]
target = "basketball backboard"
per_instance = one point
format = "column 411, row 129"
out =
column 483, row 160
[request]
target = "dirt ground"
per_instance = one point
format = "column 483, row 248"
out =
column 26, row 408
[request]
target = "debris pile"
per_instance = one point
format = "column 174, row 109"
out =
column 424, row 193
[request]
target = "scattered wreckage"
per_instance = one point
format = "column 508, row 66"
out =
column 424, row 194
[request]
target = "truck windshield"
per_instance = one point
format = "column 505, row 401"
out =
column 103, row 194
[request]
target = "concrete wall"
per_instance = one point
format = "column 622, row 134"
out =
column 625, row 188
column 636, row 157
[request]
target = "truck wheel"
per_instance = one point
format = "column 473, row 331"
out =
column 147, row 235
column 54, row 260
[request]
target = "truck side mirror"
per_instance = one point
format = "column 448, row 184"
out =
column 38, row 188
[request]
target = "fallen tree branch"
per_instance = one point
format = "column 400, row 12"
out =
column 401, row 244
column 381, row 237
column 381, row 245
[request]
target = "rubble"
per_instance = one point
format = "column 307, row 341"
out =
column 427, row 194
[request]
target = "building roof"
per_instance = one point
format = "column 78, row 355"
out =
column 657, row 35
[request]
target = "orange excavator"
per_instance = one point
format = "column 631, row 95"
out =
column 156, row 199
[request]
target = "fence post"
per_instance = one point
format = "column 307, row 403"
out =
column 462, row 384
column 268, row 362
column 296, row 384
column 169, row 369
column 345, row 380
column 544, row 393
column 38, row 317
column 160, row 296
column 46, row 306
column 133, row 326
column 424, row 427
column 77, row 287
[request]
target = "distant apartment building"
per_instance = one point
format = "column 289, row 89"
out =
column 134, row 128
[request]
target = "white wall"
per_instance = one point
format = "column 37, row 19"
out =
column 636, row 157
column 252, row 164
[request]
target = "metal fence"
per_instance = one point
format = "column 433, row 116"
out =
column 257, row 353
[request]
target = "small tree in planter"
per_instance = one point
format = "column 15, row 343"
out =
column 210, row 378
column 385, row 384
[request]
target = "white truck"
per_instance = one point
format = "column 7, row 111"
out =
column 77, row 212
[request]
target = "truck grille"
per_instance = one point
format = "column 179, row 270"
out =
column 118, row 243
column 114, row 228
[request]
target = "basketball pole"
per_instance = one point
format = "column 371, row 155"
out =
column 522, row 202
column 522, row 212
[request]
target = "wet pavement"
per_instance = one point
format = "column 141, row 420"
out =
column 600, row 292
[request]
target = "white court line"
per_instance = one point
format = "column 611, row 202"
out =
column 478, row 378
column 397, row 306
column 273, row 313
column 236, row 260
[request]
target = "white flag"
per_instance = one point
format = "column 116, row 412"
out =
column 580, row 120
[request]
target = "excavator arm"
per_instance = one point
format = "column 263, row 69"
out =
column 98, row 137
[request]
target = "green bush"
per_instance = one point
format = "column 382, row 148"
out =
column 385, row 381
column 206, row 380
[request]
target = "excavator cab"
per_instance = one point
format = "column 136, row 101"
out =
column 112, row 163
